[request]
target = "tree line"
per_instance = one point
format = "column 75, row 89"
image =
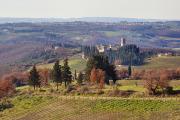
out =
column 99, row 71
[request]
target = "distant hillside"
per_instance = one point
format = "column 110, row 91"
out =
column 24, row 44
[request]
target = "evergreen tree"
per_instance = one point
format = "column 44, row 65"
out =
column 57, row 75
column 34, row 78
column 66, row 73
column 129, row 70
column 89, row 66
column 111, row 71
column 80, row 78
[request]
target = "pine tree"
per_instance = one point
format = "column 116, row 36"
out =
column 66, row 73
column 57, row 75
column 80, row 78
column 34, row 78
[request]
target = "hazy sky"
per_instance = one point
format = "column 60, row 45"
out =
column 159, row 9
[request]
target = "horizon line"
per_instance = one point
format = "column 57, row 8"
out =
column 90, row 17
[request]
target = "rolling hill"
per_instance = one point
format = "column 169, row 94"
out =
column 24, row 44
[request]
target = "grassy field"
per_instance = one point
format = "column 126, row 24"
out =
column 75, row 62
column 137, row 85
column 161, row 62
column 120, row 33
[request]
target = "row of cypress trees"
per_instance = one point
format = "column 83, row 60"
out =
column 60, row 74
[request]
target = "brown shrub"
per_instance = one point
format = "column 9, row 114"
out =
column 121, row 74
column 18, row 78
column 84, row 90
column 177, row 73
column 120, row 93
column 6, row 87
column 44, row 76
column 93, row 76
column 5, row 104
column 156, row 81
column 97, row 77
column 137, row 74
column 170, row 74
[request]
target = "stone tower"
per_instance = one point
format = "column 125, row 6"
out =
column 123, row 42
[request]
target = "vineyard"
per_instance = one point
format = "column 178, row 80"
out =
column 90, row 108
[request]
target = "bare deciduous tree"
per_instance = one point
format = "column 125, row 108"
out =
column 156, row 81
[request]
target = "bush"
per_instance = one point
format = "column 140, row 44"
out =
column 84, row 90
column 17, row 78
column 70, row 88
column 6, row 88
column 120, row 93
column 51, row 90
column 5, row 104
column 100, row 92
column 156, row 81
column 169, row 90
column 138, row 95
column 42, row 90
column 122, row 74
column 137, row 74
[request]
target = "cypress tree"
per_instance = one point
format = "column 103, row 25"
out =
column 75, row 75
column 34, row 78
column 129, row 70
column 66, row 73
column 57, row 74
column 80, row 78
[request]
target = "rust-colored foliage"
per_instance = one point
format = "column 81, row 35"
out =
column 170, row 74
column 9, row 81
column 177, row 73
column 156, row 81
column 137, row 74
column 101, row 75
column 6, row 87
column 97, row 77
column 121, row 74
column 17, row 78
column 44, row 76
column 93, row 76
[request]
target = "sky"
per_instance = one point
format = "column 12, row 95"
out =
column 149, row 9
